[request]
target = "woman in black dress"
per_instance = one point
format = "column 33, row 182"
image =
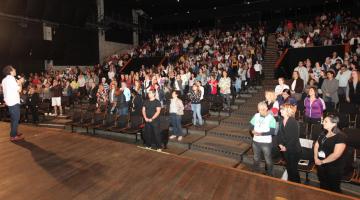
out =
column 329, row 155
column 151, row 111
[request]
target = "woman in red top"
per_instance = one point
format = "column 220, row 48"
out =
column 213, row 85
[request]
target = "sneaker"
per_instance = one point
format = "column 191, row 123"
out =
column 172, row 137
column 16, row 138
column 180, row 138
column 19, row 134
column 158, row 150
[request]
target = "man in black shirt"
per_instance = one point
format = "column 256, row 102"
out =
column 151, row 111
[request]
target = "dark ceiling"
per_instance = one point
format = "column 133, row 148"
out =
column 161, row 8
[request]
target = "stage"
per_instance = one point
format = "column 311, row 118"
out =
column 56, row 164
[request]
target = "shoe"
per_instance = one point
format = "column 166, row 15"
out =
column 158, row 150
column 180, row 138
column 16, row 138
column 172, row 137
column 19, row 134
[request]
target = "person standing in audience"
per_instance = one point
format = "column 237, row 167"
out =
column 314, row 108
column 225, row 91
column 272, row 103
column 343, row 77
column 112, row 98
column 258, row 71
column 136, row 103
column 56, row 90
column 195, row 98
column 297, row 86
column 289, row 142
column 303, row 72
column 353, row 88
column 330, row 91
column 11, row 90
column 102, row 98
column 32, row 105
column 286, row 98
column 281, row 87
column 176, row 111
column 151, row 111
column 329, row 155
column 262, row 126
column 213, row 85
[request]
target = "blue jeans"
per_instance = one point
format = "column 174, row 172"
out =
column 196, row 108
column 123, row 111
column 264, row 148
column 226, row 103
column 175, row 121
column 15, row 117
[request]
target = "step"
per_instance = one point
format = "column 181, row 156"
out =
column 236, row 121
column 214, row 120
column 177, row 150
column 222, row 147
column 186, row 142
column 245, row 96
column 230, row 132
column 221, row 113
column 247, row 113
column 200, row 130
column 210, row 158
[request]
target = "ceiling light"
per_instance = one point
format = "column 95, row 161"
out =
column 188, row 12
column 215, row 8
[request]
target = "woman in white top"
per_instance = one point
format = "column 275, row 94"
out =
column 224, row 85
column 176, row 111
column 280, row 88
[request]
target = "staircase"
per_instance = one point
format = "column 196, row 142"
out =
column 225, row 138
column 270, row 57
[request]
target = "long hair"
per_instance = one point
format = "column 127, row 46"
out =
column 335, row 120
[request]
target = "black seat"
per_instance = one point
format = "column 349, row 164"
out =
column 350, row 112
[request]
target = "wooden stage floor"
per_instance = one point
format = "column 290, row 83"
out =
column 56, row 164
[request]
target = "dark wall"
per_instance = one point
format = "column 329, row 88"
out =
column 315, row 54
column 119, row 13
column 21, row 40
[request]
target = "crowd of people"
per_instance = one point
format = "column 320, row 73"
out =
column 316, row 91
column 333, row 28
column 207, row 64
column 203, row 63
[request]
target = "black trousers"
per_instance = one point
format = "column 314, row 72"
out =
column 329, row 177
column 292, row 160
column 152, row 134
column 34, row 112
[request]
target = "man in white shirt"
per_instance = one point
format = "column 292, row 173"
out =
column 258, row 71
column 303, row 71
column 11, row 90
column 343, row 77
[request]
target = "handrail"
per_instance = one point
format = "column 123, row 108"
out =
column 126, row 64
column 281, row 58
column 162, row 60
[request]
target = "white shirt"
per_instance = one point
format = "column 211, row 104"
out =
column 11, row 91
column 202, row 92
column 343, row 78
column 280, row 88
column 258, row 67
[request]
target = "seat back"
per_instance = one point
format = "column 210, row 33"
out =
column 186, row 118
column 136, row 121
column 109, row 120
column 122, row 121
